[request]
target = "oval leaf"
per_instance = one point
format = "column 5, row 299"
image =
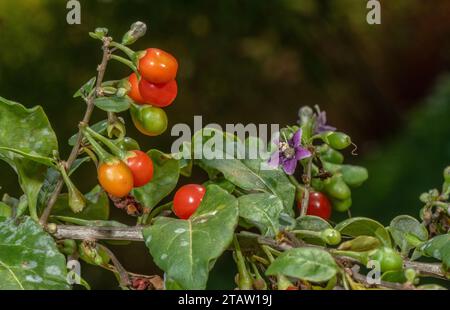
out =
column 358, row 226
column 28, row 131
column 165, row 179
column 263, row 211
column 29, row 258
column 403, row 225
column 187, row 249
column 309, row 264
column 113, row 104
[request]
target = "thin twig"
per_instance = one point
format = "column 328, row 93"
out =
column 307, row 181
column 87, row 116
column 123, row 274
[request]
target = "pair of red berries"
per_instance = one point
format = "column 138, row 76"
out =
column 157, row 86
column 118, row 176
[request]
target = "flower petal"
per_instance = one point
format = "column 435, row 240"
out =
column 297, row 138
column 289, row 166
column 274, row 160
column 301, row 153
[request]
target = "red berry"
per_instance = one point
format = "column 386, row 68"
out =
column 141, row 167
column 187, row 199
column 318, row 205
column 134, row 89
column 159, row 95
column 158, row 66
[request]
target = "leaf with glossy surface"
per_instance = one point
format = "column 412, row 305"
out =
column 309, row 264
column 165, row 179
column 263, row 211
column 358, row 226
column 187, row 249
column 113, row 104
column 29, row 131
column 439, row 248
column 404, row 225
column 29, row 258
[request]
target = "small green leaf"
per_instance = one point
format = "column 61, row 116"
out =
column 312, row 223
column 358, row 226
column 29, row 258
column 86, row 89
column 97, row 206
column 99, row 127
column 113, row 104
column 187, row 249
column 439, row 248
column 360, row 244
column 263, row 211
column 404, row 226
column 309, row 264
column 165, row 179
column 5, row 211
column 222, row 182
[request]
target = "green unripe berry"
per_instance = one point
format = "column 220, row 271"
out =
column 331, row 236
column 388, row 258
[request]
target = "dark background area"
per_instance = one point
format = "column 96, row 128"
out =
column 256, row 62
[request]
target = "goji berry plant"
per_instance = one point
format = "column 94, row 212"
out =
column 273, row 212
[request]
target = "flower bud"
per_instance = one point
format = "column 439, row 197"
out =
column 137, row 30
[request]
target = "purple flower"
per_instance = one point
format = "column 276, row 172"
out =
column 289, row 153
column 321, row 123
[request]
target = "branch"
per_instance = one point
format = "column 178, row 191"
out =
column 133, row 233
column 307, row 180
column 431, row 269
column 87, row 116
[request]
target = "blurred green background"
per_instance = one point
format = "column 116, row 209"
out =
column 256, row 61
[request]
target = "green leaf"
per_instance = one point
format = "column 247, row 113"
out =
column 360, row 244
column 5, row 210
column 99, row 127
column 358, row 226
column 404, row 226
column 165, row 179
column 33, row 157
column 113, row 104
column 222, row 182
column 263, row 211
column 29, row 258
column 439, row 248
column 97, row 206
column 86, row 89
column 312, row 223
column 247, row 174
column 187, row 249
column 28, row 131
column 309, row 264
